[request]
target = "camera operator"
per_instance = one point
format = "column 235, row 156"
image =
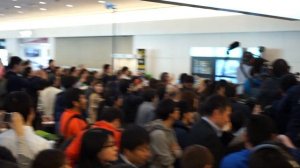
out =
column 270, row 88
column 251, row 73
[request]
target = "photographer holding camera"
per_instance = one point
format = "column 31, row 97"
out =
column 21, row 139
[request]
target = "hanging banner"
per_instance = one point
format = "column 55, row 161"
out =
column 141, row 60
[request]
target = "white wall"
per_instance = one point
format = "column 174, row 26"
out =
column 93, row 52
column 12, row 46
column 226, row 24
column 170, row 53
column 168, row 42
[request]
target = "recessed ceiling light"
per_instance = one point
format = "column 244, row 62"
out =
column 43, row 9
column 14, row 0
column 18, row 7
column 43, row 3
column 20, row 12
column 103, row 2
column 69, row 6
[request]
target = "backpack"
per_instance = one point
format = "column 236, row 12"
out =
column 62, row 143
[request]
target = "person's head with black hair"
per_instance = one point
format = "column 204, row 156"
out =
column 26, row 63
column 187, row 115
column 197, row 156
column 260, row 128
column 206, row 88
column 56, row 159
column 218, row 109
column 135, row 145
column 113, row 99
column 182, row 77
column 269, row 156
column 190, row 98
column 125, row 70
column 75, row 99
column 230, row 90
column 280, row 67
column 149, row 95
column 27, row 73
column 72, row 69
column 287, row 81
column 107, row 69
column 111, row 115
column 20, row 102
column 168, row 110
column 153, row 83
column 203, row 85
column 6, row 155
column 68, row 82
column 220, row 87
column 165, row 78
column 45, row 83
column 15, row 64
column 188, row 82
column 97, row 87
column 74, row 72
column 51, row 63
column 98, row 149
column 161, row 91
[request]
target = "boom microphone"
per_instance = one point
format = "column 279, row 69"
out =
column 233, row 46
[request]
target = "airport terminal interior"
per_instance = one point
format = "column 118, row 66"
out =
column 149, row 84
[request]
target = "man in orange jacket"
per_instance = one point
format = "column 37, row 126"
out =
column 72, row 122
column 110, row 120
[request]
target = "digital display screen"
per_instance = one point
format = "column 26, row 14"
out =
column 32, row 52
column 227, row 68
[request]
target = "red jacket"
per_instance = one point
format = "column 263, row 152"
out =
column 73, row 149
column 75, row 126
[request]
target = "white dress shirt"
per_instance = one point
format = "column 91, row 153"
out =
column 27, row 146
column 47, row 100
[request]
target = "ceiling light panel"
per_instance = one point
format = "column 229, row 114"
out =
column 69, row 6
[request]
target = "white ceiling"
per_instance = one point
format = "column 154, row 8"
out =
column 280, row 9
column 31, row 8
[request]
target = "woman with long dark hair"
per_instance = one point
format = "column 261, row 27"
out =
column 98, row 149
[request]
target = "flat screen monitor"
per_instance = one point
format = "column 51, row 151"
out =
column 32, row 52
column 226, row 69
column 202, row 66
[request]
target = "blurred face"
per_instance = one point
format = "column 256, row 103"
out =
column 109, row 70
column 82, row 102
column 140, row 155
column 98, row 88
column 189, row 117
column 52, row 64
column 119, row 102
column 109, row 152
column 167, row 78
column 19, row 68
column 66, row 165
column 202, row 86
column 176, row 114
column 222, row 117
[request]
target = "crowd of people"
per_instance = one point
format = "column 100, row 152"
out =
column 72, row 117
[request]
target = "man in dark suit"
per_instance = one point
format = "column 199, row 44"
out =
column 135, row 148
column 208, row 130
column 15, row 81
